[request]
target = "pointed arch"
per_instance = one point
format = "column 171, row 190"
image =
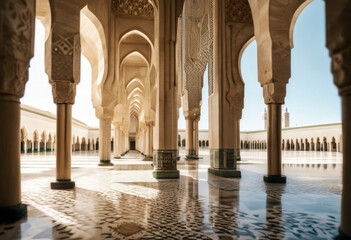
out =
column 136, row 31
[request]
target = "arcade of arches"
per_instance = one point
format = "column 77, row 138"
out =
column 148, row 58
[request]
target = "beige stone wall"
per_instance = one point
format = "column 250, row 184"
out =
column 321, row 131
column 33, row 119
column 327, row 130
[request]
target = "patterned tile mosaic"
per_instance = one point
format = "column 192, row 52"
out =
column 109, row 203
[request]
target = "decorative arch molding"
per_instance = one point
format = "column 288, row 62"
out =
column 135, row 90
column 242, row 50
column 137, row 31
column 294, row 19
column 135, row 53
column 94, row 48
column 135, row 81
column 195, row 51
column 43, row 13
column 24, row 134
column 35, row 135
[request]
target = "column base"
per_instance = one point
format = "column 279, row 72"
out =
column 117, row 157
column 63, row 184
column 225, row 173
column 14, row 213
column 148, row 158
column 165, row 174
column 165, row 164
column 274, row 179
column 342, row 236
column 105, row 163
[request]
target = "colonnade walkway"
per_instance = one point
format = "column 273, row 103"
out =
column 129, row 204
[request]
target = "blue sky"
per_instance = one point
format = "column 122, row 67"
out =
column 311, row 98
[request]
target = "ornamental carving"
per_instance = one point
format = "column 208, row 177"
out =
column 341, row 68
column 63, row 92
column 62, row 45
column 134, row 8
column 196, row 49
column 339, row 43
column 16, row 44
column 65, row 57
column 211, row 72
column 238, row 11
column 14, row 76
column 237, row 36
column 274, row 92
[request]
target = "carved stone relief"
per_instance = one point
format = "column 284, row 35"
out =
column 210, row 48
column 65, row 50
column 196, row 49
column 341, row 68
column 63, row 92
column 16, row 44
column 274, row 92
column 135, row 8
column 339, row 43
column 238, row 11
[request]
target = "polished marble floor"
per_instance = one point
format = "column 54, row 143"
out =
column 125, row 202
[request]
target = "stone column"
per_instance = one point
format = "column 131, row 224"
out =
column 149, row 140
column 16, row 50
column 122, row 143
column 126, row 143
column 194, row 46
column 145, row 142
column 117, row 142
column 62, row 52
column 274, row 151
column 237, row 143
column 196, row 138
column 165, row 149
column 11, row 207
column 64, row 147
column 273, row 22
column 105, row 142
column 189, row 142
column 339, row 45
column 226, row 86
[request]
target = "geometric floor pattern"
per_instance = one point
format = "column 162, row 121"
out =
column 109, row 203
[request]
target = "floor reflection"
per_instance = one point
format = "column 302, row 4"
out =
column 274, row 226
column 125, row 202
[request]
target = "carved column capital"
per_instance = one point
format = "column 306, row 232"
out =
column 341, row 68
column 274, row 92
column 14, row 76
column 107, row 113
column 63, row 50
column 192, row 115
column 339, row 42
column 149, row 123
column 63, row 92
column 117, row 124
column 16, row 44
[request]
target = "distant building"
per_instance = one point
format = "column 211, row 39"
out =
column 265, row 119
column 38, row 133
column 286, row 118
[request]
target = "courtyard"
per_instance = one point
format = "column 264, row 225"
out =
column 126, row 202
